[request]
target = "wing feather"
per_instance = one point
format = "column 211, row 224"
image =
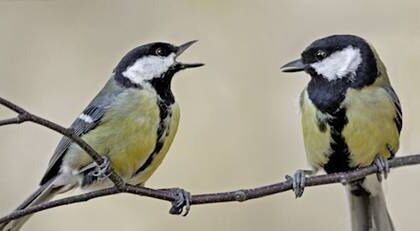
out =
column 87, row 121
column 397, row 104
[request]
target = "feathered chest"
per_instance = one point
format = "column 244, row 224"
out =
column 135, row 130
column 151, row 116
column 364, row 124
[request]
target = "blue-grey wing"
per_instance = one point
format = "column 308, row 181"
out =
column 87, row 121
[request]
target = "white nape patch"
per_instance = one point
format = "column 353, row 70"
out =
column 148, row 67
column 339, row 64
column 86, row 118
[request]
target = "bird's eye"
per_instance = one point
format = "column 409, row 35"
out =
column 320, row 55
column 159, row 51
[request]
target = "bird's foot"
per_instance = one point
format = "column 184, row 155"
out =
column 298, row 181
column 383, row 167
column 102, row 171
column 183, row 199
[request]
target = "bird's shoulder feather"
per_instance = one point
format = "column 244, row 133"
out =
column 87, row 121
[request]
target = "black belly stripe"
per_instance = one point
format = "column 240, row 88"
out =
column 165, row 99
column 164, row 114
column 328, row 96
column 338, row 160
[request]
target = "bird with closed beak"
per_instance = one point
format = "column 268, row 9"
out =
column 351, row 117
column 131, row 122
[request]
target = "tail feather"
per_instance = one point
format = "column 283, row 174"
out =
column 360, row 214
column 44, row 193
column 368, row 209
column 381, row 217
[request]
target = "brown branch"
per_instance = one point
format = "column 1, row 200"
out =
column 237, row 195
column 14, row 120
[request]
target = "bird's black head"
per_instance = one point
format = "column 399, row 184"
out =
column 345, row 58
column 151, row 62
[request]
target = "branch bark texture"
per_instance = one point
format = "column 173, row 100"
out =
column 207, row 198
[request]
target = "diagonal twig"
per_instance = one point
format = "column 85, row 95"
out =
column 24, row 116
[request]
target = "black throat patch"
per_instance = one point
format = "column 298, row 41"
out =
column 326, row 95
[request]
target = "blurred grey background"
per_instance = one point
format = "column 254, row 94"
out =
column 240, row 124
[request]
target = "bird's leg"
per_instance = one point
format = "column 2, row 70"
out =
column 183, row 199
column 298, row 181
column 102, row 171
column 383, row 167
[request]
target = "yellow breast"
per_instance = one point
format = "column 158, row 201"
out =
column 142, row 176
column 371, row 129
column 316, row 140
column 127, row 134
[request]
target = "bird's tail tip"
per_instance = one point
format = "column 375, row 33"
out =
column 44, row 193
column 368, row 210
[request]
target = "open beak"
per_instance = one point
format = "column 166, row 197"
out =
column 180, row 50
column 293, row 66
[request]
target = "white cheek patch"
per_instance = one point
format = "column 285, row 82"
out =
column 148, row 67
column 339, row 64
